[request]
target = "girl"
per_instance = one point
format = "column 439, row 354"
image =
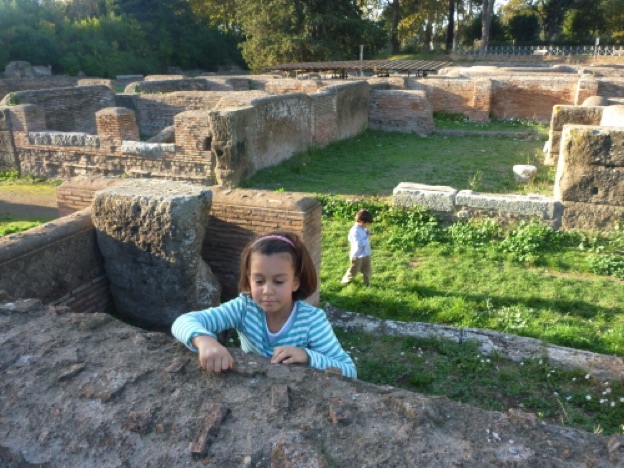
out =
column 270, row 316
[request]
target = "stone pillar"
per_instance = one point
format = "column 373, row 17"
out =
column 8, row 158
column 150, row 234
column 564, row 115
column 117, row 123
column 193, row 133
column 482, row 101
column 590, row 177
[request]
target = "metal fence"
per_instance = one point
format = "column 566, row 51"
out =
column 587, row 50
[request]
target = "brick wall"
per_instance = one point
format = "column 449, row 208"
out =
column 238, row 215
column 324, row 125
column 44, row 82
column 78, row 193
column 400, row 111
column 154, row 112
column 533, row 97
column 58, row 262
column 69, row 109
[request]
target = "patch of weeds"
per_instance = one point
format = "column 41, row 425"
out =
column 9, row 176
column 475, row 232
column 527, row 241
column 609, row 264
column 475, row 180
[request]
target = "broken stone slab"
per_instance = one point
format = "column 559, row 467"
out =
column 538, row 206
column 150, row 234
column 432, row 197
column 151, row 150
column 516, row 348
column 55, row 138
column 524, row 173
column 139, row 414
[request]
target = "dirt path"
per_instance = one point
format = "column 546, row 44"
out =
column 28, row 201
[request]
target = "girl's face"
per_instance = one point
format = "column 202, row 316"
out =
column 272, row 280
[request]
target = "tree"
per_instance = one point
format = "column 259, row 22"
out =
column 613, row 12
column 584, row 22
column 551, row 13
column 282, row 31
column 450, row 28
column 524, row 28
column 486, row 21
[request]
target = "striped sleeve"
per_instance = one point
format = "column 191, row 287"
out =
column 324, row 349
column 208, row 322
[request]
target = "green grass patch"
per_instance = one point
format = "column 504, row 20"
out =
column 373, row 163
column 13, row 224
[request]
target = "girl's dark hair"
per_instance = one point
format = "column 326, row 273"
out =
column 270, row 244
column 363, row 216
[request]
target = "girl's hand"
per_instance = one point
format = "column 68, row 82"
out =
column 289, row 355
column 213, row 356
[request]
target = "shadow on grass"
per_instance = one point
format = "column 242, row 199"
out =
column 471, row 310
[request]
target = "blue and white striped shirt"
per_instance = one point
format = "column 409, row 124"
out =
column 309, row 330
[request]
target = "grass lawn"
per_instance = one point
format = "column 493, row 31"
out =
column 373, row 163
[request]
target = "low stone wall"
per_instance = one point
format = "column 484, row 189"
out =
column 58, row 262
column 154, row 112
column 516, row 348
column 236, row 216
column 67, row 109
column 87, row 387
column 62, row 155
column 78, row 193
column 11, row 85
column 452, row 205
column 480, row 96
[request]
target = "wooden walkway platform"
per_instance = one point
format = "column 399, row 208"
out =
column 341, row 69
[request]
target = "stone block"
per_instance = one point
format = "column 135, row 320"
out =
column 151, row 150
column 590, row 184
column 583, row 145
column 590, row 216
column 527, row 205
column 524, row 173
column 432, row 197
column 150, row 234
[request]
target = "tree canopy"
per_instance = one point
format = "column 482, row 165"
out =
column 110, row 37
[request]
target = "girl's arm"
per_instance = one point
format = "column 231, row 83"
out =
column 324, row 349
column 208, row 322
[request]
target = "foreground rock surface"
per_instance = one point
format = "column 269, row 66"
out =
column 89, row 390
